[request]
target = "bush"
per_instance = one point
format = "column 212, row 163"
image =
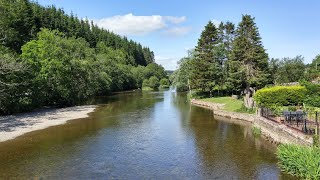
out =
column 154, row 82
column 313, row 94
column 300, row 161
column 256, row 131
column 145, row 83
column 181, row 87
column 164, row 83
column 280, row 96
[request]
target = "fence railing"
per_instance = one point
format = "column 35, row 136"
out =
column 297, row 120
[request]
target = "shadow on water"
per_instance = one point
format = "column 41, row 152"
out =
column 142, row 135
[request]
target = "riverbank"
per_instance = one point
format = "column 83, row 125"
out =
column 274, row 132
column 17, row 125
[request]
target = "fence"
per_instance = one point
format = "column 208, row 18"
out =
column 305, row 122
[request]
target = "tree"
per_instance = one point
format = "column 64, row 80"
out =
column 14, row 84
column 145, row 83
column 61, row 68
column 164, row 83
column 16, row 23
column 207, row 68
column 290, row 70
column 181, row 77
column 154, row 82
column 248, row 60
column 313, row 69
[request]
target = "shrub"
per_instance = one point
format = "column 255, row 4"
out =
column 145, row 83
column 154, row 82
column 256, row 131
column 164, row 83
column 313, row 94
column 300, row 161
column 280, row 96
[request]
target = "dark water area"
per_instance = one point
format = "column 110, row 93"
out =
column 142, row 135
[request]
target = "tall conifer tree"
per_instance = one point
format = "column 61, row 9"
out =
column 248, row 59
column 206, row 67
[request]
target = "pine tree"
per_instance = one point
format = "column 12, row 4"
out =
column 207, row 68
column 248, row 59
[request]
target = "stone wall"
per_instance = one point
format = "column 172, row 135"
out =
column 275, row 132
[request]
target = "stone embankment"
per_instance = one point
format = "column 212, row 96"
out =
column 274, row 132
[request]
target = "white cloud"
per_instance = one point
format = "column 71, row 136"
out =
column 169, row 63
column 130, row 24
column 178, row 31
column 176, row 20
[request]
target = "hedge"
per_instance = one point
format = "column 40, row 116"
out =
column 280, row 96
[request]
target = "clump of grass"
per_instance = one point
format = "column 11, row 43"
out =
column 256, row 131
column 300, row 161
column 315, row 139
column 244, row 109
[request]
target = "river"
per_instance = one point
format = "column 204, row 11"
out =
column 142, row 135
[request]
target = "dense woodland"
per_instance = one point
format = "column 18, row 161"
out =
column 50, row 58
column 231, row 59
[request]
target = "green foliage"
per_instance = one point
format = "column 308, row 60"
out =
column 164, row 83
column 300, row 161
column 63, row 59
column 312, row 95
column 21, row 20
column 154, row 69
column 145, row 83
column 62, row 68
column 288, row 70
column 280, row 96
column 315, row 139
column 244, row 109
column 256, row 131
column 313, row 69
column 16, row 23
column 248, row 63
column 207, row 65
column 14, row 83
column 181, row 77
column 154, row 82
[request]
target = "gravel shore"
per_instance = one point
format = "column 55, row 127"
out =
column 17, row 125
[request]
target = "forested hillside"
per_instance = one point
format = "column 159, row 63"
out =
column 48, row 57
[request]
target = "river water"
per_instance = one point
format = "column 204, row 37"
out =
column 142, row 135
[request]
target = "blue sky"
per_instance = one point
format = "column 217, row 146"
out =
column 170, row 27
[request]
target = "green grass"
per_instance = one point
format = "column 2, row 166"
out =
column 231, row 104
column 147, row 89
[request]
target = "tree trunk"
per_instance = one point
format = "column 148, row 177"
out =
column 248, row 98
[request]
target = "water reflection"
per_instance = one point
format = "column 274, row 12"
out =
column 142, row 135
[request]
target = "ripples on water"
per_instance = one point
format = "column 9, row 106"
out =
column 142, row 135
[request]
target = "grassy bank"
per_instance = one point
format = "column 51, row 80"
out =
column 300, row 161
column 230, row 104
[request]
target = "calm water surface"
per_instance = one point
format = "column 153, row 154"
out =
column 142, row 135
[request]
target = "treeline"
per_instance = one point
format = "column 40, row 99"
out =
column 21, row 20
column 232, row 60
column 48, row 58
